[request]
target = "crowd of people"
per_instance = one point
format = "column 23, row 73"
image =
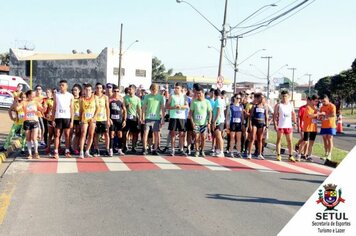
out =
column 90, row 114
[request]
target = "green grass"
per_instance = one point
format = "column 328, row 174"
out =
column 347, row 113
column 318, row 149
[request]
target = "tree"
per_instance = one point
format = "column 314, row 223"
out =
column 178, row 74
column 5, row 59
column 353, row 66
column 159, row 72
column 323, row 86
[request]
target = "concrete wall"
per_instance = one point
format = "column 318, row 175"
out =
column 50, row 72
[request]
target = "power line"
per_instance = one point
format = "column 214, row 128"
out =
column 270, row 26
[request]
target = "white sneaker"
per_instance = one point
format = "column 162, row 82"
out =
column 81, row 155
column 261, row 157
column 249, row 156
column 220, row 154
column 120, row 152
column 87, row 154
column 111, row 152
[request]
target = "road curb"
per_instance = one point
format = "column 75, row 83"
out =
column 284, row 150
column 349, row 125
column 14, row 145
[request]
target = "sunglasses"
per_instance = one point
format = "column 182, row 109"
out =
column 38, row 88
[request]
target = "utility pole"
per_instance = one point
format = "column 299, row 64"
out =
column 120, row 58
column 268, row 79
column 293, row 69
column 223, row 40
column 309, row 91
column 235, row 62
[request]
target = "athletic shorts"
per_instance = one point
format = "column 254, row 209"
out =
column 116, row 125
column 200, row 129
column 220, row 127
column 153, row 124
column 101, row 127
column 132, row 126
column 258, row 124
column 235, row 127
column 177, row 125
column 285, row 130
column 309, row 136
column 188, row 126
column 328, row 131
column 62, row 123
column 30, row 124
column 76, row 122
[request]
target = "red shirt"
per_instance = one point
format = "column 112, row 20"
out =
column 301, row 114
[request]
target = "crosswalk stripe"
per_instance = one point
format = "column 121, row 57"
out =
column 323, row 167
column 297, row 168
column 67, row 165
column 115, row 164
column 252, row 164
column 208, row 164
column 162, row 163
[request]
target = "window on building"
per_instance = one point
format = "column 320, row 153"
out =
column 116, row 71
column 140, row 73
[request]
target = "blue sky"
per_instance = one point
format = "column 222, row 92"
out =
column 319, row 39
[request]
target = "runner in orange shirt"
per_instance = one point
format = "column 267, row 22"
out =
column 310, row 127
column 328, row 125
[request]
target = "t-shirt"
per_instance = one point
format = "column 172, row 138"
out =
column 219, row 104
column 132, row 104
column 309, row 124
column 101, row 115
column 153, row 105
column 76, row 106
column 301, row 115
column 200, row 111
column 177, row 113
column 329, row 122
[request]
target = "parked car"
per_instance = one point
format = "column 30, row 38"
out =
column 6, row 98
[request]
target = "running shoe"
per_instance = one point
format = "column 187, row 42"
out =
column 68, row 155
column 97, row 153
column 106, row 153
column 42, row 144
column 55, row 155
column 189, row 152
column 292, row 159
column 37, row 156
column 238, row 155
column 165, row 149
column 154, row 153
column 144, row 152
column 172, row 153
column 309, row 159
column 120, row 152
column 81, row 155
column 202, row 153
column 249, row 156
column 231, row 154
column 220, row 154
column 29, row 157
column 261, row 157
column 87, row 155
column 196, row 154
column 279, row 158
column 111, row 152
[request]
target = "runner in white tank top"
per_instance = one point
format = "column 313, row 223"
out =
column 63, row 101
column 284, row 119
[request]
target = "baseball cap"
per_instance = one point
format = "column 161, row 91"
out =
column 109, row 85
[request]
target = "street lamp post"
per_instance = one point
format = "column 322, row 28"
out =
column 222, row 31
column 268, row 78
column 309, row 84
column 293, row 69
column 120, row 58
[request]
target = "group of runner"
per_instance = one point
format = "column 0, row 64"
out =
column 90, row 114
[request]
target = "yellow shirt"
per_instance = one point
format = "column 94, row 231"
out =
column 102, row 108
column 88, row 107
column 49, row 103
column 20, row 117
column 76, row 108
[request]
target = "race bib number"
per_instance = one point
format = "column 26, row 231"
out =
column 62, row 111
column 286, row 115
column 89, row 115
column 21, row 116
column 198, row 117
column 76, row 114
column 101, row 115
column 151, row 116
column 130, row 117
column 314, row 121
column 179, row 112
column 236, row 120
column 260, row 110
column 115, row 117
column 31, row 115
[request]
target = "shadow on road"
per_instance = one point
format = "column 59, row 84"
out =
column 314, row 181
column 230, row 197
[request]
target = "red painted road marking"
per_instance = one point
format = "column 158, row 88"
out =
column 91, row 165
column 274, row 166
column 226, row 162
column 313, row 167
column 43, row 166
column 139, row 163
column 185, row 163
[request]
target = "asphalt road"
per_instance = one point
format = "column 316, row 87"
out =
column 164, row 202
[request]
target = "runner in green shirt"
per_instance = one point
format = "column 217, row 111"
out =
column 153, row 115
column 133, row 108
column 200, row 115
